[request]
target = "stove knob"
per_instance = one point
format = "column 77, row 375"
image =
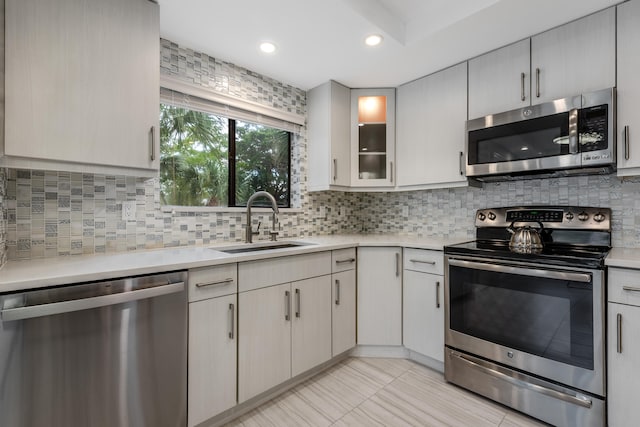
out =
column 583, row 216
column 492, row 216
column 569, row 216
column 599, row 217
column 481, row 216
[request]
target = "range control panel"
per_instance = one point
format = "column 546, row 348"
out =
column 563, row 217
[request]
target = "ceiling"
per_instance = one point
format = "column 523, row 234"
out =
column 319, row 40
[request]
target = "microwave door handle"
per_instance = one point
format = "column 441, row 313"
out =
column 573, row 131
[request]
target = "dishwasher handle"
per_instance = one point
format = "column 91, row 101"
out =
column 28, row 312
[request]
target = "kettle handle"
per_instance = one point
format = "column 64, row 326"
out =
column 511, row 230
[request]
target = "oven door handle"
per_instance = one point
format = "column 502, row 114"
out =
column 535, row 272
column 577, row 399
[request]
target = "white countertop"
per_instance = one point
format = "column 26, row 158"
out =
column 38, row 273
column 624, row 258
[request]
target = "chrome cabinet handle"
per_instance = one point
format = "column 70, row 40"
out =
column 537, row 82
column 335, row 170
column 522, row 97
column 217, row 283
column 231, row 320
column 461, row 161
column 344, row 261
column 630, row 289
column 287, row 306
column 297, row 302
column 573, row 131
column 391, row 171
column 423, row 262
column 627, row 147
column 619, row 333
column 437, row 294
column 397, row 264
column 337, row 292
column 153, row 143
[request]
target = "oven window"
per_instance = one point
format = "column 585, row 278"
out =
column 528, row 139
column 546, row 317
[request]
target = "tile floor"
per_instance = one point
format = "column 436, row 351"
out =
column 372, row 392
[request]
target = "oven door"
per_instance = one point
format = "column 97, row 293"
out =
column 545, row 321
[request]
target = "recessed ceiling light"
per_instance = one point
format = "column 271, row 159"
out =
column 267, row 47
column 373, row 40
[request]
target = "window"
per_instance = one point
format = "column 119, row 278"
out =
column 209, row 160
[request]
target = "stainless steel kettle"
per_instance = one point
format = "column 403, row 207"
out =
column 525, row 240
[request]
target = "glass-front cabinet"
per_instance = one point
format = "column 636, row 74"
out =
column 372, row 137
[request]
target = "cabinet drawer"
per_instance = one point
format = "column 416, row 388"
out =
column 624, row 286
column 274, row 271
column 343, row 260
column 210, row 282
column 423, row 260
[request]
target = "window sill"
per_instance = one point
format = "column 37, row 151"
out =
column 224, row 209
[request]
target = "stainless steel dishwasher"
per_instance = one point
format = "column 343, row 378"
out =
column 99, row 354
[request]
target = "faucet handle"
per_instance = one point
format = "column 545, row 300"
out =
column 257, row 229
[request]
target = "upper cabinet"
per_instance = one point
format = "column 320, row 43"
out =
column 568, row 60
column 628, row 88
column 372, row 137
column 82, row 85
column 329, row 138
column 431, row 130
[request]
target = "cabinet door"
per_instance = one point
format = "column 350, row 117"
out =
column 431, row 129
column 500, row 80
column 574, row 58
column 343, row 311
column 372, row 137
column 82, row 81
column 624, row 366
column 379, row 296
column 311, row 323
column 628, row 88
column 264, row 346
column 212, row 357
column 423, row 313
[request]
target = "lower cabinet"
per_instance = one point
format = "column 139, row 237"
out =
column 423, row 303
column 343, row 311
column 623, row 347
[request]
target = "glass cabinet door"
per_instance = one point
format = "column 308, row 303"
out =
column 373, row 136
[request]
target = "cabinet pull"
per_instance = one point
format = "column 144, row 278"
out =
column 217, row 283
column 397, row 264
column 627, row 148
column 153, row 143
column 537, row 82
column 462, row 165
column 297, row 302
column 630, row 289
column 619, row 333
column 343, row 261
column 231, row 320
column 423, row 262
column 437, row 294
column 522, row 97
column 337, row 292
column 287, row 306
column 335, row 170
column 391, row 171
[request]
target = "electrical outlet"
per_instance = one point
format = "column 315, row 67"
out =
column 323, row 212
column 405, row 211
column 129, row 210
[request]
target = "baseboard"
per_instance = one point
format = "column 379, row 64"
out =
column 390, row 351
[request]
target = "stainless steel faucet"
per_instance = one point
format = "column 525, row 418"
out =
column 274, row 218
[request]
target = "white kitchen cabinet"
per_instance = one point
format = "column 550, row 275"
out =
column 343, row 300
column 623, row 349
column 373, row 137
column 212, row 342
column 311, row 323
column 329, row 136
column 628, row 88
column 431, row 130
column 571, row 59
column 423, row 303
column 81, row 85
column 379, row 296
column 264, row 346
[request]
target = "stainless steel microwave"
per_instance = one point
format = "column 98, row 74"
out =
column 574, row 135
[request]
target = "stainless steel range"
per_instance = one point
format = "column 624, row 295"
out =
column 525, row 311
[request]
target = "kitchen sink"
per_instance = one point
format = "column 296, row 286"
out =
column 255, row 247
